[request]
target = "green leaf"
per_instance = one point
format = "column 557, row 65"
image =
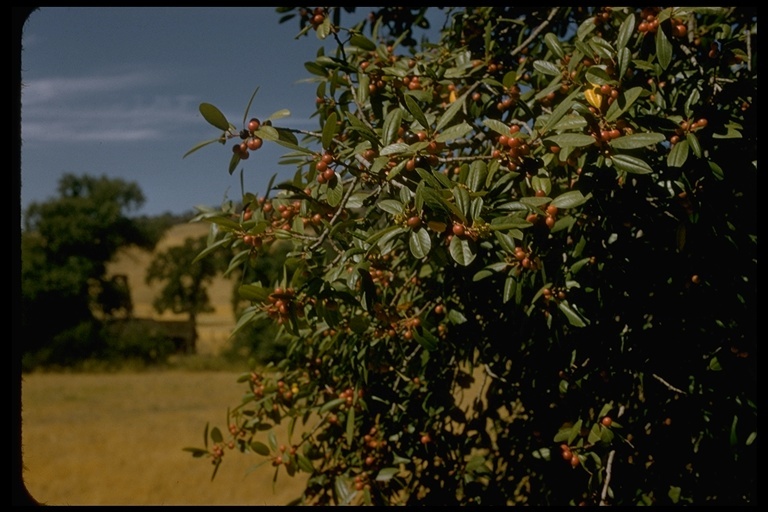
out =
column 563, row 108
column 570, row 199
column 283, row 112
column 214, row 116
column 626, row 31
column 693, row 100
column 693, row 142
column 395, row 148
column 233, row 163
column 331, row 404
column 454, row 132
column 329, row 130
column 461, row 196
column 419, row 243
column 248, row 105
column 350, row 430
column 594, row 434
column 663, row 49
column 416, row 111
column 216, row 436
column 546, row 68
column 362, row 42
column 674, row 491
column 553, row 43
column 510, row 283
column 637, row 140
column 476, row 177
column 751, row 438
column 733, row 438
column 574, row 140
column 253, row 292
column 456, row 317
column 451, row 112
column 497, row 126
column 678, row 155
column 200, row 145
column 426, row 339
column 272, row 439
column 573, row 317
column 392, row 206
column 631, row 164
column 386, row 474
column 335, row 193
column 574, row 432
column 596, row 75
column 462, row 251
column 391, row 125
column 315, row 69
column 623, row 103
column 305, row 464
column 259, row 448
column 196, row 452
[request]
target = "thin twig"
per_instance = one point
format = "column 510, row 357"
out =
column 343, row 202
column 536, row 31
column 608, row 469
column 668, row 385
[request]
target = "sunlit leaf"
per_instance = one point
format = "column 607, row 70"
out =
column 462, row 251
column 214, row 116
column 419, row 243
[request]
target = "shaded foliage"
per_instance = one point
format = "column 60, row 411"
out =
column 66, row 243
column 551, row 210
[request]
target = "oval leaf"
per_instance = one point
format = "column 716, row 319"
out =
column 678, row 155
column 631, row 164
column 461, row 251
column 420, row 243
column 259, row 448
column 546, row 68
column 637, row 140
column 214, row 116
column 569, row 199
column 329, row 130
column 362, row 42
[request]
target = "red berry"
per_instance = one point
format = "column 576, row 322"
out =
column 606, row 421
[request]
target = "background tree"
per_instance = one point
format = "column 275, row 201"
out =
column 66, row 244
column 524, row 261
column 186, row 280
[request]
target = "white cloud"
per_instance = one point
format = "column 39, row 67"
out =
column 44, row 90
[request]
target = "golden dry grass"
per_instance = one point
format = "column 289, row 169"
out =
column 117, row 439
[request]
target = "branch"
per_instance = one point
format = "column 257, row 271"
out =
column 608, row 469
column 343, row 202
column 668, row 385
column 536, row 31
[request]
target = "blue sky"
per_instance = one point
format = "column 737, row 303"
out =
column 116, row 91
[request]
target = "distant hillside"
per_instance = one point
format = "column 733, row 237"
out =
column 213, row 328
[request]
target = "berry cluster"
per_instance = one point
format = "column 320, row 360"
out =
column 283, row 304
column 250, row 141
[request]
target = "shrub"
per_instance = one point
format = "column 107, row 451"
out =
column 523, row 266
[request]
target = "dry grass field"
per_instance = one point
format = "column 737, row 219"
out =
column 117, row 439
